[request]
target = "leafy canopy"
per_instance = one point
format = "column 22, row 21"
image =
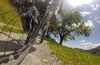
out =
column 71, row 25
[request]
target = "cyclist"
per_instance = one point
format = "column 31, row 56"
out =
column 33, row 13
column 36, row 10
column 27, row 14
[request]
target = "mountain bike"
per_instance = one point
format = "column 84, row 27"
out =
column 22, row 47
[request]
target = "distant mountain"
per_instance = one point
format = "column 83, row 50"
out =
column 79, row 49
column 95, row 51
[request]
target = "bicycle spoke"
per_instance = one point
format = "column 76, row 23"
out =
column 9, row 36
column 7, row 12
column 9, row 22
column 19, row 43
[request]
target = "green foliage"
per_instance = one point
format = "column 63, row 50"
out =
column 5, row 6
column 52, row 28
column 73, row 56
column 71, row 25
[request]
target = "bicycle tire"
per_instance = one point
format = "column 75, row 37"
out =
column 43, row 35
column 28, row 42
column 6, row 52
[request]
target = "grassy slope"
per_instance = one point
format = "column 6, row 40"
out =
column 73, row 56
column 5, row 7
column 13, row 30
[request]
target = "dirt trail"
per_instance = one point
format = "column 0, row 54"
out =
column 40, row 54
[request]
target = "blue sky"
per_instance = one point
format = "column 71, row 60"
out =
column 91, row 12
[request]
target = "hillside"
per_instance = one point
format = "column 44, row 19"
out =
column 73, row 56
column 95, row 51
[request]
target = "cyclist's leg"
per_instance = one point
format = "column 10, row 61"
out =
column 26, row 23
column 23, row 23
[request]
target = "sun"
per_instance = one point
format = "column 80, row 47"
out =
column 79, row 2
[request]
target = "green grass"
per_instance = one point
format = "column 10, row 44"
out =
column 73, row 56
column 8, row 29
column 5, row 6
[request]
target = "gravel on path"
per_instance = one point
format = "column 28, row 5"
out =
column 40, row 54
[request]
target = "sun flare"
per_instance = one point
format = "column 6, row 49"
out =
column 79, row 2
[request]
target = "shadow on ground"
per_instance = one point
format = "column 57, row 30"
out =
column 10, row 45
column 13, row 44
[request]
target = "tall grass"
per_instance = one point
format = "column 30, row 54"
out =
column 5, row 6
column 72, row 56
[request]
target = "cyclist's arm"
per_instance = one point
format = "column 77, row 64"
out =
column 61, row 5
column 55, row 6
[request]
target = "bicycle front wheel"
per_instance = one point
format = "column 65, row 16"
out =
column 12, row 36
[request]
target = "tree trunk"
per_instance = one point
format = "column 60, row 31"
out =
column 61, row 40
column 47, row 36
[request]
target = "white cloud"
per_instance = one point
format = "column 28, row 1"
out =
column 97, row 19
column 90, row 16
column 94, row 7
column 83, row 41
column 84, row 46
column 66, row 44
column 88, row 45
column 57, row 41
column 75, row 25
column 84, row 13
column 89, row 23
column 97, row 5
